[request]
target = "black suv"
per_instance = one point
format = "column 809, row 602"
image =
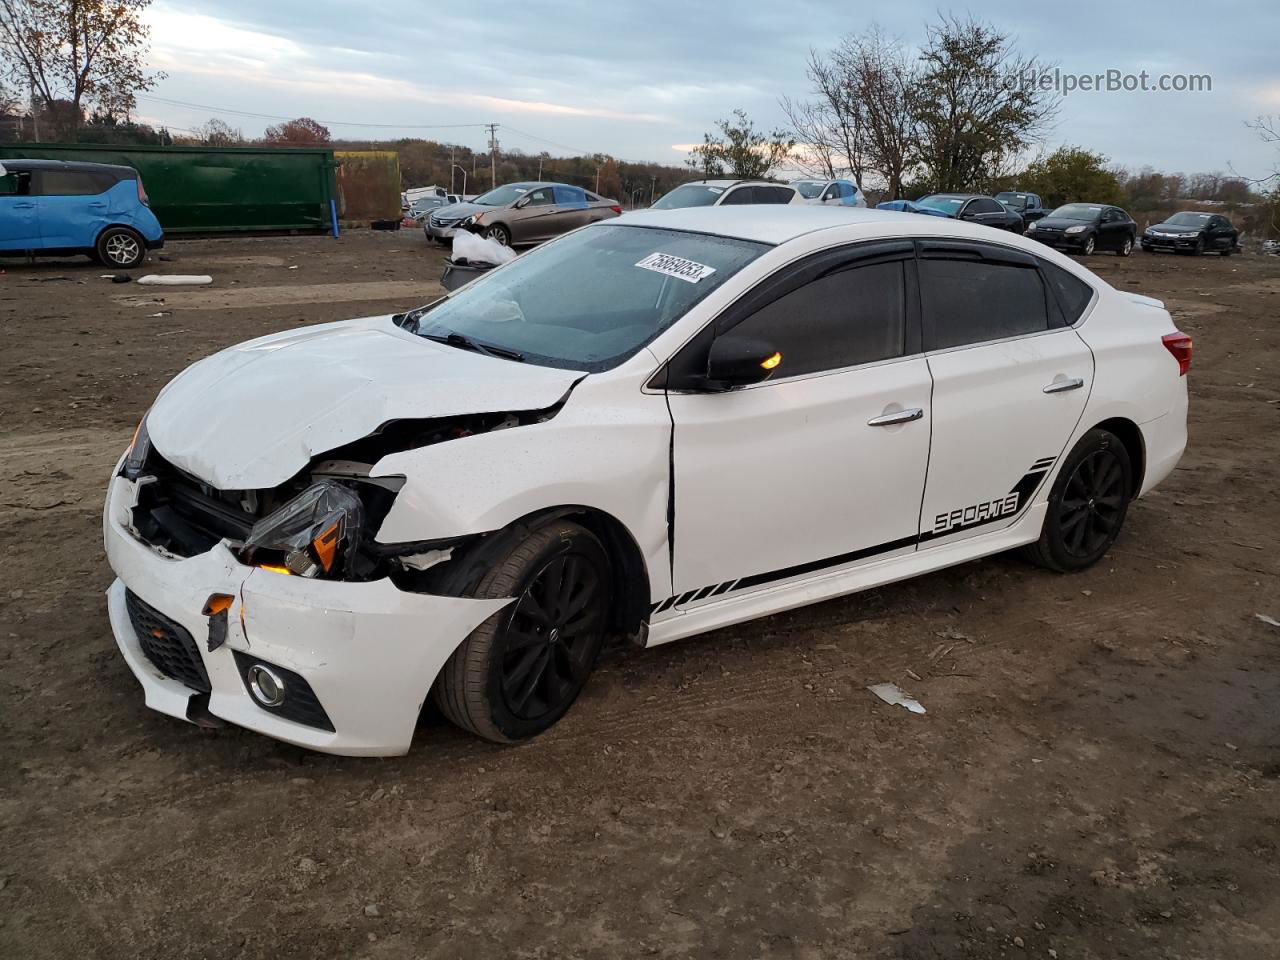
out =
column 1193, row 233
column 1085, row 228
column 1026, row 205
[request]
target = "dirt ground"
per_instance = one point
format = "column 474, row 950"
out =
column 1097, row 776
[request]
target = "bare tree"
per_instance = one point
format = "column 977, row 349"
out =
column 882, row 80
column 82, row 52
column 218, row 133
column 975, row 110
column 829, row 128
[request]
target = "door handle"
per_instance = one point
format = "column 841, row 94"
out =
column 1062, row 386
column 900, row 416
column 24, row 206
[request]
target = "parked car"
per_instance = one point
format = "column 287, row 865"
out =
column 57, row 208
column 422, row 207
column 1194, row 233
column 1026, row 205
column 653, row 427
column 724, row 193
column 519, row 213
column 1086, row 227
column 907, row 206
column 975, row 208
column 836, row 193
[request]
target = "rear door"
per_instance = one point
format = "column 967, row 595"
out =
column 19, row 228
column 72, row 206
column 985, row 211
column 822, row 466
column 572, row 208
column 1010, row 381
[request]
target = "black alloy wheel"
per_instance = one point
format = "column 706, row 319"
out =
column 1092, row 507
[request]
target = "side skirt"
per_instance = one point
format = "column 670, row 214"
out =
column 839, row 582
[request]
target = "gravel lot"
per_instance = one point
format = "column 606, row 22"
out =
column 1097, row 776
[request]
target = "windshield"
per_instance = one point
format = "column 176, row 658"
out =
column 501, row 196
column 808, row 189
column 689, row 195
column 591, row 299
column 1078, row 211
column 1016, row 200
column 948, row 205
column 1189, row 219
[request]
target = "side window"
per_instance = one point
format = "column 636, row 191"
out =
column 15, row 183
column 984, row 205
column 539, row 197
column 973, row 301
column 71, row 183
column 851, row 316
column 832, row 192
column 740, row 195
column 847, row 191
column 570, row 195
column 1072, row 293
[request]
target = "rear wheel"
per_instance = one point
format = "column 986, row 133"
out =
column 120, row 247
column 521, row 670
column 1087, row 505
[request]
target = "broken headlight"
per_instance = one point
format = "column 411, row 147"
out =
column 135, row 458
column 314, row 534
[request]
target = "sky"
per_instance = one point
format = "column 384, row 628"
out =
column 643, row 81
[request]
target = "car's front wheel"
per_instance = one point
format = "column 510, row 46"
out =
column 1087, row 504
column 1089, row 246
column 1126, row 248
column 120, row 247
column 521, row 670
column 500, row 233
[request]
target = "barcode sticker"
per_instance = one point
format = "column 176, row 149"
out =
column 688, row 270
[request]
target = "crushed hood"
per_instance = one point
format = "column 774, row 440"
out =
column 253, row 415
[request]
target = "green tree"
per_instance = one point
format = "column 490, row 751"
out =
column 1072, row 174
column 741, row 150
column 82, row 52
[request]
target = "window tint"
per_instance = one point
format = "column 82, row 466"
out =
column 1073, row 294
column 740, row 195
column 539, row 197
column 856, row 315
column 14, row 183
column 570, row 195
column 833, row 192
column 72, row 183
column 983, row 205
column 774, row 194
column 846, row 190
column 972, row 301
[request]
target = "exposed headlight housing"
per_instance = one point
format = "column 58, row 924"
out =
column 1031, row 226
column 1079, row 229
column 135, row 457
column 314, row 534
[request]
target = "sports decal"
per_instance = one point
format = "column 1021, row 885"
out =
column 672, row 266
column 944, row 524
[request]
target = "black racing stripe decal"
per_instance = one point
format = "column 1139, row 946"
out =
column 815, row 565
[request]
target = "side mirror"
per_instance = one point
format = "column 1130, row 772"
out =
column 521, row 203
column 740, row 362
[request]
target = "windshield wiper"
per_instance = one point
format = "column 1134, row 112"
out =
column 463, row 342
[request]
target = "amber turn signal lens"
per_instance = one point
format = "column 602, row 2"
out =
column 771, row 362
column 275, row 568
column 217, row 603
column 326, row 546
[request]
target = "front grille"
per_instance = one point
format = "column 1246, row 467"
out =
column 167, row 644
column 186, row 517
column 441, row 222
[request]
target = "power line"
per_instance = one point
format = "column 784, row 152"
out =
column 328, row 123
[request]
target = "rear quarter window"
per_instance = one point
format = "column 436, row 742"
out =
column 1072, row 293
column 72, row 183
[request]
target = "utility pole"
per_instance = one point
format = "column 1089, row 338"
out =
column 653, row 185
column 493, row 154
column 452, row 149
column 539, row 169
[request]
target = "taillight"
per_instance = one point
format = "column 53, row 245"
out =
column 142, row 194
column 616, row 208
column 1179, row 344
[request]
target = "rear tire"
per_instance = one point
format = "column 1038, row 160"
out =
column 1087, row 505
column 120, row 247
column 521, row 670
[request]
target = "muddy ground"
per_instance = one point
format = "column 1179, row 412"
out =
column 1097, row 776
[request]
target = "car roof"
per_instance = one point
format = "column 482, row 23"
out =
column 779, row 222
column 957, row 196
column 117, row 169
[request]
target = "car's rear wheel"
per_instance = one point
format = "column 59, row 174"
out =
column 121, row 247
column 1088, row 247
column 521, row 670
column 1126, row 248
column 500, row 233
column 1087, row 504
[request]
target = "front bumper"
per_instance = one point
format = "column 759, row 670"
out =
column 436, row 232
column 1169, row 243
column 1060, row 241
column 369, row 651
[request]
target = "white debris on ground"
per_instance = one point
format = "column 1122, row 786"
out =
column 891, row 693
column 1270, row 621
column 473, row 249
column 176, row 280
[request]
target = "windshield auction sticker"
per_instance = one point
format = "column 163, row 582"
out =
column 688, row 270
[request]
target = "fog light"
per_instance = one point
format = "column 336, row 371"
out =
column 265, row 685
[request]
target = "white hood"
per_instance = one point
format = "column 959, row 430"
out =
column 254, row 415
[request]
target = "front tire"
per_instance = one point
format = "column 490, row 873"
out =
column 1089, row 246
column 500, row 233
column 1126, row 248
column 120, row 247
column 1087, row 505
column 521, row 670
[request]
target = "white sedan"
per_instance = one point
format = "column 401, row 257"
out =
column 649, row 428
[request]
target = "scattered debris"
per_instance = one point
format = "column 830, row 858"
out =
column 1269, row 621
column 176, row 280
column 162, row 313
column 913, row 675
column 371, row 910
column 891, row 693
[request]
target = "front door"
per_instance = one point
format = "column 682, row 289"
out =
column 823, row 465
column 1009, row 386
column 535, row 217
column 19, row 229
